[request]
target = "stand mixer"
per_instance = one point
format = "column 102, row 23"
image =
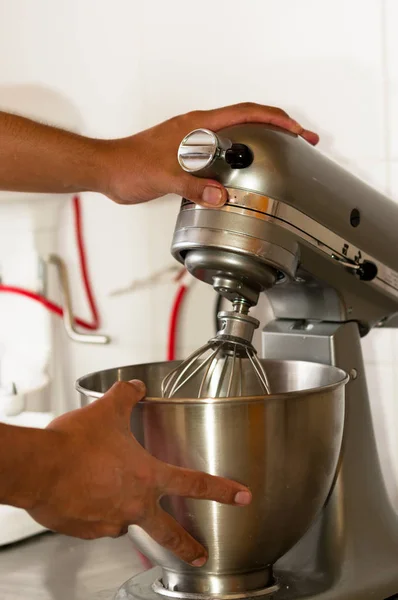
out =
column 321, row 244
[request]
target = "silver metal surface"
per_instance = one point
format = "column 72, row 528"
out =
column 246, row 245
column 351, row 550
column 199, row 149
column 245, row 237
column 235, row 275
column 335, row 247
column 159, row 588
column 146, row 586
column 284, row 446
column 56, row 567
column 288, row 169
column 76, row 336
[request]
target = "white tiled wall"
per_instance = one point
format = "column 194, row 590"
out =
column 123, row 66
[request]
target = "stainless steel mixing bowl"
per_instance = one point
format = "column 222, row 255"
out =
column 285, row 447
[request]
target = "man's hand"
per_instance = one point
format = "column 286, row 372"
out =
column 37, row 158
column 145, row 166
column 101, row 480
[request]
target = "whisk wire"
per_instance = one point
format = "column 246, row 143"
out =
column 231, row 373
column 212, row 363
column 240, row 376
column 172, row 378
column 178, row 383
column 259, row 371
column 221, row 379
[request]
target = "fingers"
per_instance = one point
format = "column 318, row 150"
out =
column 310, row 136
column 174, row 481
column 169, row 534
column 205, row 192
column 124, row 395
column 249, row 112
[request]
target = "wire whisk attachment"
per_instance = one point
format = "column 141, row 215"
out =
column 227, row 366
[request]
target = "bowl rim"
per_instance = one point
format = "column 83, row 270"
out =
column 344, row 379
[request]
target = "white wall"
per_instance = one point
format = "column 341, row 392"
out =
column 125, row 65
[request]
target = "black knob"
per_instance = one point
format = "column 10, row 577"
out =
column 367, row 271
column 239, row 156
column 355, row 217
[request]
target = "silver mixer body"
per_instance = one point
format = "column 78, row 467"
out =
column 321, row 244
column 296, row 215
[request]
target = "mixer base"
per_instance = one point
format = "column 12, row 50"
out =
column 148, row 586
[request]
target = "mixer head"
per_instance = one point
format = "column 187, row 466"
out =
column 293, row 218
column 218, row 369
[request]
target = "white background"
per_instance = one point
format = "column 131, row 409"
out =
column 113, row 68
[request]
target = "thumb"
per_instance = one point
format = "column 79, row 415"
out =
column 205, row 192
column 126, row 394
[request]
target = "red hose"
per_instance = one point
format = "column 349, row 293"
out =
column 51, row 306
column 175, row 312
column 83, row 262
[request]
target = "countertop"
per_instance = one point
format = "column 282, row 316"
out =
column 56, row 567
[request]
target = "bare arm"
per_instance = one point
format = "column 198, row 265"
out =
column 38, row 158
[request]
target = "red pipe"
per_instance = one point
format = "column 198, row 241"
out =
column 175, row 313
column 51, row 306
column 83, row 262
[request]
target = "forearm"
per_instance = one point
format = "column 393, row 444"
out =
column 26, row 457
column 38, row 158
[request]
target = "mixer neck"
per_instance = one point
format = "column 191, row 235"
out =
column 241, row 306
column 237, row 325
